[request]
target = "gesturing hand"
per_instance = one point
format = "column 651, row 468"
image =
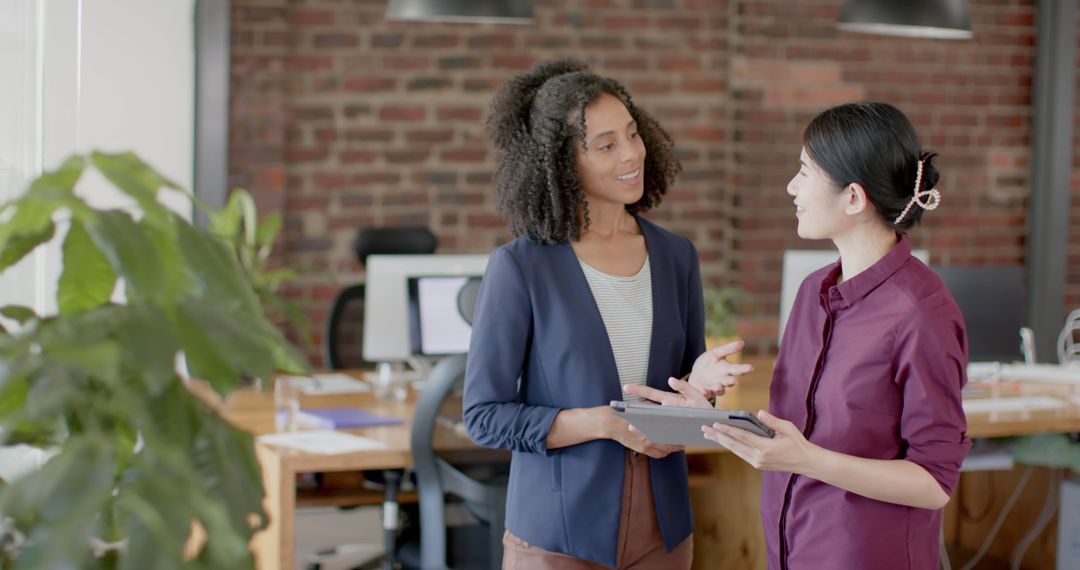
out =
column 712, row 373
column 684, row 395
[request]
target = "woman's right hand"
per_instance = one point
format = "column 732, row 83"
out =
column 620, row 430
column 713, row 373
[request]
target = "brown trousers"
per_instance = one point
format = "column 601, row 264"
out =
column 640, row 545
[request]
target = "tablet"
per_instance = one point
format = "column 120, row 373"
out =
column 682, row 426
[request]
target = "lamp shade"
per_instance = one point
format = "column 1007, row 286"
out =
column 469, row 11
column 940, row 19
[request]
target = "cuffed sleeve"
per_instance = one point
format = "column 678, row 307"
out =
column 495, row 414
column 931, row 371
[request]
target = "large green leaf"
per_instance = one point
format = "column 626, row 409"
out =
column 34, row 210
column 136, row 178
column 18, row 313
column 149, row 347
column 20, row 244
column 221, row 346
column 215, row 270
column 57, row 507
column 224, row 458
column 164, row 237
column 131, row 253
column 88, row 280
column 63, row 178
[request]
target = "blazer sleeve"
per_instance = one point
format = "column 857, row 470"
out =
column 695, row 315
column 495, row 414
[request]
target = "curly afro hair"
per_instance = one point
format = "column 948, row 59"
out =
column 536, row 119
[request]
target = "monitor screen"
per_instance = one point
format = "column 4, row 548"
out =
column 440, row 310
column 386, row 298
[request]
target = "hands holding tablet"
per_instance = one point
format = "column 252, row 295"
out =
column 787, row 451
column 631, row 438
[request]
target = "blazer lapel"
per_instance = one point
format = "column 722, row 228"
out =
column 593, row 333
column 665, row 306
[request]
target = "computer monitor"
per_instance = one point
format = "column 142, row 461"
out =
column 386, row 306
column 440, row 314
column 993, row 300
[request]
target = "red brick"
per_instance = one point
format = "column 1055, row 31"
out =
column 402, row 113
column 464, row 155
column 429, row 136
column 459, row 113
column 336, row 40
column 370, row 84
column 306, row 17
column 397, row 62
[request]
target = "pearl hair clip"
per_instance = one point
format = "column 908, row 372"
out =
column 932, row 195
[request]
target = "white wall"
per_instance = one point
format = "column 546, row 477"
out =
column 82, row 75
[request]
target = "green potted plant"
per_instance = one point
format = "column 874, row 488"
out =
column 721, row 309
column 253, row 239
column 138, row 461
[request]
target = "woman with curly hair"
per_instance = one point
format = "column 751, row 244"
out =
column 589, row 299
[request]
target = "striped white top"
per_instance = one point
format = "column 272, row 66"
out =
column 625, row 305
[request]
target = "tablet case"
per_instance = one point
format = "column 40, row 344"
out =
column 682, row 426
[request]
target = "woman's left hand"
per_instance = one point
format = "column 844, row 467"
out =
column 684, row 394
column 787, row 451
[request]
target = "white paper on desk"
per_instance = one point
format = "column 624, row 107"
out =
column 1054, row 373
column 325, row 442
column 1021, row 404
column 331, row 383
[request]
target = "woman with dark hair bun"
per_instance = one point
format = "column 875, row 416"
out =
column 865, row 397
column 590, row 299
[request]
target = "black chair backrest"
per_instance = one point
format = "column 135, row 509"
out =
column 344, row 330
column 994, row 305
column 392, row 241
column 466, row 300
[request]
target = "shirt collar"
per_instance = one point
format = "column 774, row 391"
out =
column 854, row 289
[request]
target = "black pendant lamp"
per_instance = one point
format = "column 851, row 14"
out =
column 939, row 19
column 468, row 11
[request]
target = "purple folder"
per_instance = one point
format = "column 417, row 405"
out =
column 341, row 418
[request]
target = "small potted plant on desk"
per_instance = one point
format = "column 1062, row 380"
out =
column 721, row 309
column 139, row 465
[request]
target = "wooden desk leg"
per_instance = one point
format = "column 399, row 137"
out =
column 273, row 547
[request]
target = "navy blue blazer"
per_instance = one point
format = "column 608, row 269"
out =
column 536, row 320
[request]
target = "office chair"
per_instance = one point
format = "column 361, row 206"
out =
column 993, row 302
column 343, row 341
column 481, row 487
column 344, row 328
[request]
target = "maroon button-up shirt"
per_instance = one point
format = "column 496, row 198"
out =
column 872, row 367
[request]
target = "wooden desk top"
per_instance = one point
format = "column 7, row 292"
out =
column 253, row 411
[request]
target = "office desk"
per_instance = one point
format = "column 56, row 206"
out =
column 724, row 490
column 253, row 411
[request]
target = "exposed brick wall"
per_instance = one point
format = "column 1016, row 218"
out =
column 969, row 101
column 343, row 120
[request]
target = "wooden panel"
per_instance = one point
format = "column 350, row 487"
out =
column 727, row 531
column 980, row 498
